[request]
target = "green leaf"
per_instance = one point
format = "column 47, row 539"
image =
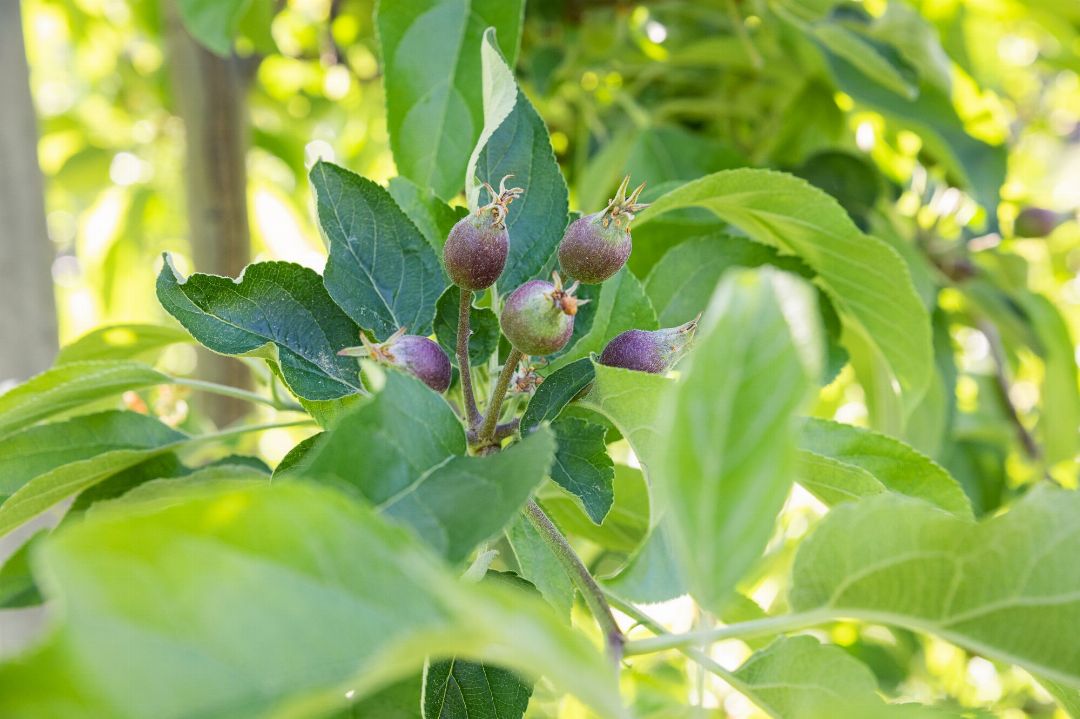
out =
column 17, row 586
column 878, row 62
column 680, row 285
column 70, row 386
column 727, row 461
column 800, row 678
column 631, row 401
column 653, row 573
column 582, row 466
column 381, row 270
column 400, row 700
column 539, row 565
column 214, row 23
column 519, row 146
column 1059, row 420
column 867, row 281
column 158, row 610
column 42, row 465
column 278, row 311
column 626, row 524
column 1003, row 587
column 483, row 323
column 122, row 342
column 402, row 450
column 433, row 217
column 623, row 306
column 557, row 390
column 159, row 466
column 431, row 56
column 456, row 689
column 839, row 462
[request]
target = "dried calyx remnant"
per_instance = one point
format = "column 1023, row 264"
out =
column 596, row 246
column 476, row 249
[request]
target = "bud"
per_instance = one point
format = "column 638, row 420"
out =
column 419, row 356
column 644, row 351
column 1035, row 222
column 475, row 251
column 596, row 246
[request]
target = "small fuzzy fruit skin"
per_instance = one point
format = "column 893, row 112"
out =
column 423, row 358
column 643, row 351
column 1035, row 222
column 592, row 252
column 533, row 321
column 475, row 251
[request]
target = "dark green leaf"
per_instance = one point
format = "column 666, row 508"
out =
column 537, row 563
column 276, row 310
column 402, row 450
column 582, row 466
column 381, row 270
column 520, row 146
column 433, row 217
column 626, row 524
column 253, row 599
column 458, row 689
column 482, row 322
column 556, row 392
column 431, row 56
column 17, row 585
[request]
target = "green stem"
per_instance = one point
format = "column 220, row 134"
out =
column 581, row 577
column 744, row 37
column 464, row 331
column 228, row 391
column 248, row 428
column 487, row 432
column 740, row 630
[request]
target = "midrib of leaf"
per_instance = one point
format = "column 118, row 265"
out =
column 346, row 237
column 416, row 483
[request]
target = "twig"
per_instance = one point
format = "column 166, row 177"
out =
column 582, row 579
column 997, row 352
column 464, row 368
column 487, row 432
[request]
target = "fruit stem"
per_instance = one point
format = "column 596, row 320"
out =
column 581, row 577
column 464, row 368
column 487, row 432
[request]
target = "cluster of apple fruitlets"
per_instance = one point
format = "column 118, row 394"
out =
column 538, row 317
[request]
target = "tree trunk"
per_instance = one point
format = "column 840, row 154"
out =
column 27, row 308
column 209, row 92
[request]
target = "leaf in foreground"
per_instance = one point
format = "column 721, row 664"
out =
column 1003, row 587
column 582, row 465
column 727, row 460
column 257, row 599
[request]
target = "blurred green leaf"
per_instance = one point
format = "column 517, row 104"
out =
column 122, row 342
column 175, row 642
column 431, row 56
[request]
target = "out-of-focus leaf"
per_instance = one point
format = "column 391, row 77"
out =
column 1003, row 587
column 431, row 56
column 122, row 342
column 275, row 310
column 156, row 624
column 727, row 459
column 214, row 23
column 69, row 386
column 865, row 279
column 381, row 270
column 838, row 462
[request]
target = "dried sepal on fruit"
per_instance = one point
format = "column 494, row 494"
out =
column 596, row 246
column 476, row 249
column 420, row 356
column 654, row 351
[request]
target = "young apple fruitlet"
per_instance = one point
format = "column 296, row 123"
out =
column 420, row 356
column 538, row 317
column 645, row 351
column 475, row 251
column 596, row 246
column 1036, row 222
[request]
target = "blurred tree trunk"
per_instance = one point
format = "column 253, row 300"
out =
column 210, row 96
column 27, row 307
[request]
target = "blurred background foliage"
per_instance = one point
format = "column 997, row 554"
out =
column 950, row 128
